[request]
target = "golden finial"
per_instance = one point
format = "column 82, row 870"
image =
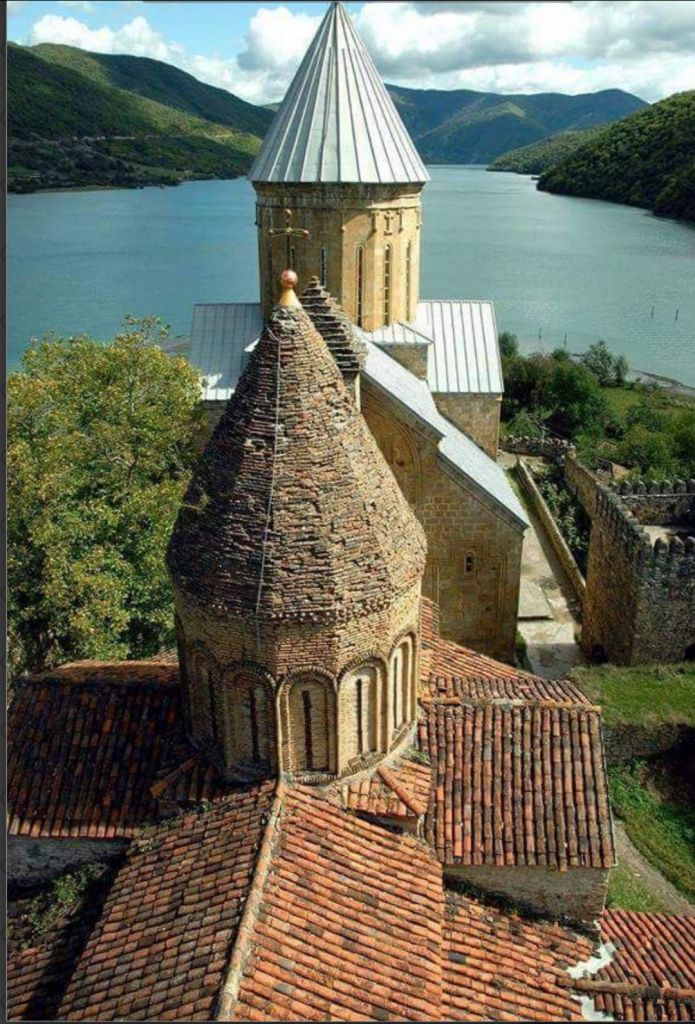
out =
column 288, row 296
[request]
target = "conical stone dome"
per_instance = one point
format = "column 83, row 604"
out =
column 293, row 514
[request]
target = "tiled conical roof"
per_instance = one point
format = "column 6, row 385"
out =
column 335, row 327
column 337, row 122
column 293, row 513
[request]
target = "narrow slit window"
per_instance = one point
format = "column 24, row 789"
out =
column 324, row 267
column 308, row 738
column 360, row 712
column 387, row 285
column 212, row 710
column 408, row 281
column 469, row 565
column 292, row 257
column 360, row 285
column 253, row 716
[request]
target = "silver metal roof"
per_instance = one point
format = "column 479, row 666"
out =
column 221, row 336
column 337, row 122
column 482, row 472
column 463, row 355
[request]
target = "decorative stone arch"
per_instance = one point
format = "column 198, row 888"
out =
column 362, row 704
column 202, row 675
column 308, row 713
column 250, row 730
column 402, row 682
column 399, row 448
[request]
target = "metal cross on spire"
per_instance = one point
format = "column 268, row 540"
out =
column 288, row 232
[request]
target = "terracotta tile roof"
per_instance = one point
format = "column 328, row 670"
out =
column 399, row 791
column 335, row 327
column 514, row 688
column 652, row 972
column 350, row 923
column 497, row 966
column 517, row 784
column 87, row 743
column 162, row 944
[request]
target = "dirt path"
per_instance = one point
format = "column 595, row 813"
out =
column 630, row 858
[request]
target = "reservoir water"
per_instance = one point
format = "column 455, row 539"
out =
column 560, row 270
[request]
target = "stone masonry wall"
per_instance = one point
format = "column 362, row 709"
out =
column 640, row 604
column 32, row 862
column 474, row 551
column 478, row 416
column 340, row 220
column 576, row 895
column 543, row 447
column 582, row 483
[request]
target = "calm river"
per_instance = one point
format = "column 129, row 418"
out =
column 557, row 268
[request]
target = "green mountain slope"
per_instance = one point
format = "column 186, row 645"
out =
column 546, row 154
column 472, row 127
column 71, row 125
column 646, row 160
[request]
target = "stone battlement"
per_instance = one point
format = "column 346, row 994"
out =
column 543, row 447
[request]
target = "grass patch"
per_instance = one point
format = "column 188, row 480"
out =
column 663, row 831
column 645, row 695
column 45, row 912
column 627, row 892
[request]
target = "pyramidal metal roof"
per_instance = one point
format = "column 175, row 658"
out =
column 337, row 122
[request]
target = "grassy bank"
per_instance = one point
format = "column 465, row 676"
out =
column 645, row 695
column 662, row 829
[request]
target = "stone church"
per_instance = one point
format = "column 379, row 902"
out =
column 319, row 808
column 339, row 200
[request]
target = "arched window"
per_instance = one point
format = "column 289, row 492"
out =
column 250, row 721
column 359, row 711
column 324, row 266
column 401, row 684
column 408, row 279
column 359, row 286
column 310, row 724
column 387, row 285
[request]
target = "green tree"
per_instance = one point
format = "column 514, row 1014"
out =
column 101, row 439
column 609, row 370
column 509, row 344
column 646, row 451
column 576, row 400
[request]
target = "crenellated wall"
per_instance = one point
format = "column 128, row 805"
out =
column 543, row 447
column 640, row 603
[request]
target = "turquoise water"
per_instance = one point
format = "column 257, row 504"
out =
column 554, row 266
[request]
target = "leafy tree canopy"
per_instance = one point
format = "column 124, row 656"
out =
column 101, row 440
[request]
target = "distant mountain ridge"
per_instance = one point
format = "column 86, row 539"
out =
column 80, row 118
column 646, row 160
column 463, row 126
column 542, row 156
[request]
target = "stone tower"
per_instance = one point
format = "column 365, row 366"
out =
column 339, row 183
column 297, row 566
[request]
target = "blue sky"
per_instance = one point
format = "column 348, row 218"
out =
column 253, row 48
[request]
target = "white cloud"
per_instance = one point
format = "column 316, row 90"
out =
column 79, row 5
column 644, row 46
column 137, row 37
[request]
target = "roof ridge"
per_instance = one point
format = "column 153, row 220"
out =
column 403, row 794
column 241, row 952
column 521, row 702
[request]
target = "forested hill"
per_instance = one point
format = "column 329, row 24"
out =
column 462, row 126
column 546, row 154
column 79, row 118
column 646, row 160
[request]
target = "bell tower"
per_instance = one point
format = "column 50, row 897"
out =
column 338, row 184
column 297, row 569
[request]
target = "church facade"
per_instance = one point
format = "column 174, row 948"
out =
column 339, row 200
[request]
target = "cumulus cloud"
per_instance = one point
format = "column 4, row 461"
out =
column 79, row 5
column 644, row 46
column 137, row 37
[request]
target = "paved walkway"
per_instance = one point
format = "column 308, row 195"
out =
column 548, row 613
